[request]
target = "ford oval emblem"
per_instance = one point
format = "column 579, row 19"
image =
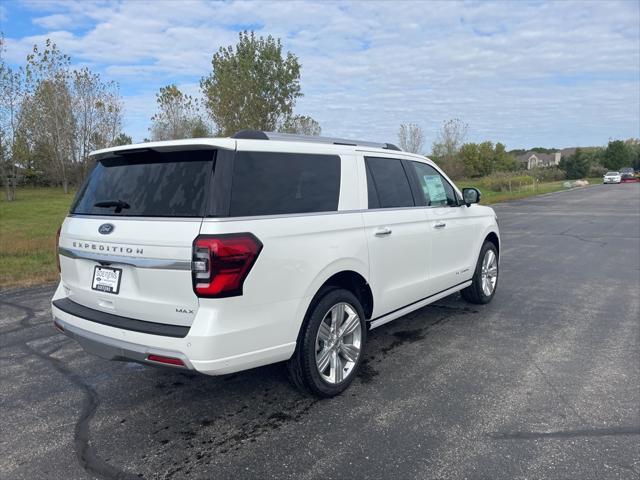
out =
column 106, row 228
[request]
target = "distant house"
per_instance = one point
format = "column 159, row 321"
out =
column 533, row 159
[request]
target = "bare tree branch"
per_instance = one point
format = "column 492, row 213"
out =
column 411, row 138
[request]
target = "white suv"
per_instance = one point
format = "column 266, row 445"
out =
column 224, row 254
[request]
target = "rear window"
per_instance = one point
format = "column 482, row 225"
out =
column 266, row 183
column 148, row 184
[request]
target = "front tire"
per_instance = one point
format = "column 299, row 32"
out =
column 485, row 277
column 330, row 345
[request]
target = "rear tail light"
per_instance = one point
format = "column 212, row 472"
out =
column 56, row 248
column 221, row 263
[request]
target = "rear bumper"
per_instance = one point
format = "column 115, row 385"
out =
column 218, row 342
column 73, row 308
column 114, row 349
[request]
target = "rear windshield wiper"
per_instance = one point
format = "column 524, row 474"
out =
column 119, row 204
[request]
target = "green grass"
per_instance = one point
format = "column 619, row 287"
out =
column 491, row 196
column 28, row 228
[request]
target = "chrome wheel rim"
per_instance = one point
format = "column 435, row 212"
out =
column 338, row 343
column 489, row 272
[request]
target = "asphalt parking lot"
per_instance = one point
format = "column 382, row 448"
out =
column 544, row 382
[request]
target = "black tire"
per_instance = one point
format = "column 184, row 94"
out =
column 301, row 367
column 474, row 292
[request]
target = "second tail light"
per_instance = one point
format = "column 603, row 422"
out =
column 221, row 263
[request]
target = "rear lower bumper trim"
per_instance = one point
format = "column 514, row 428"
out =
column 114, row 349
column 103, row 318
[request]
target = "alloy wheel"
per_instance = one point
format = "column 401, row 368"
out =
column 489, row 272
column 338, row 343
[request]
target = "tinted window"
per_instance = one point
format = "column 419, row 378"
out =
column 437, row 191
column 391, row 183
column 267, row 183
column 371, row 191
column 148, row 184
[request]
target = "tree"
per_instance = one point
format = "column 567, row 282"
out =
column 252, row 85
column 485, row 158
column 634, row 145
column 470, row 157
column 301, row 125
column 595, row 156
column 575, row 165
column 178, row 116
column 122, row 139
column 66, row 114
column 502, row 161
column 411, row 138
column 449, row 139
column 618, row 155
column 477, row 158
column 49, row 110
column 447, row 145
column 98, row 115
column 11, row 95
column 486, row 155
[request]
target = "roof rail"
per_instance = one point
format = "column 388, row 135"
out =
column 290, row 137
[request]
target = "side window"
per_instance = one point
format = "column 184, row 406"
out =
column 437, row 191
column 390, row 181
column 372, row 193
column 266, row 183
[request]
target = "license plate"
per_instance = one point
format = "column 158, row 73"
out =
column 106, row 279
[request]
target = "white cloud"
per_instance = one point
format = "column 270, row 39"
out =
column 557, row 73
column 56, row 21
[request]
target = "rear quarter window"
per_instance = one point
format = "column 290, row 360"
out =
column 270, row 183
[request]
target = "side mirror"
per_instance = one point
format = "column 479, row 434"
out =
column 471, row 195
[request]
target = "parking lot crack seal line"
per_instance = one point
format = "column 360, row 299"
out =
column 579, row 237
column 87, row 458
column 24, row 322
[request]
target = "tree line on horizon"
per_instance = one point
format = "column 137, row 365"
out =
column 52, row 116
column 462, row 159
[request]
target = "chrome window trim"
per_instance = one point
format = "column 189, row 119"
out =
column 270, row 217
column 261, row 217
column 315, row 214
column 139, row 262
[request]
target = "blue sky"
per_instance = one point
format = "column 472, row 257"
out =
column 527, row 73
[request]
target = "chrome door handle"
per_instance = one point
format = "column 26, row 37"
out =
column 440, row 225
column 383, row 232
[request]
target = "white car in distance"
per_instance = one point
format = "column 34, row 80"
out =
column 223, row 254
column 612, row 177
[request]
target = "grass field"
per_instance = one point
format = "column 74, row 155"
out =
column 490, row 196
column 28, row 229
column 28, row 235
